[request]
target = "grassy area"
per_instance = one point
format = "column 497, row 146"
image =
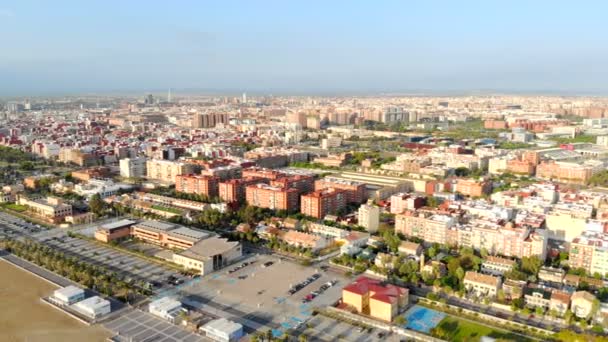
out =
column 579, row 139
column 456, row 329
column 167, row 209
column 15, row 207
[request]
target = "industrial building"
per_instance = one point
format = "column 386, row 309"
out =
column 68, row 295
column 223, row 330
column 165, row 308
column 93, row 307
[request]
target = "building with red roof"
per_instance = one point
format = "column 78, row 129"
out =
column 375, row 298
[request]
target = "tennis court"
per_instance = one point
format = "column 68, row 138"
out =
column 423, row 319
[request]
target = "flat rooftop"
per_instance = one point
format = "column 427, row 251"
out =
column 189, row 234
column 207, row 248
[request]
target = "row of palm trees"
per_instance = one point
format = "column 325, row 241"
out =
column 95, row 277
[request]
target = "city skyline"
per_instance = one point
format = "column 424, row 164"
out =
column 297, row 48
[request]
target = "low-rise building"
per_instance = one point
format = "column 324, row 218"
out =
column 482, row 284
column 497, row 265
column 209, row 255
column 560, row 301
column 375, row 298
column 535, row 296
column 114, row 231
column 305, row 240
column 410, row 248
column 165, row 308
column 551, row 274
column 68, row 295
column 223, row 330
column 93, row 307
column 582, row 304
column 51, row 209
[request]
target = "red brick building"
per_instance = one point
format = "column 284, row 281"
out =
column 262, row 173
column 323, row 202
column 272, row 197
column 302, row 183
column 355, row 191
column 233, row 190
column 197, row 184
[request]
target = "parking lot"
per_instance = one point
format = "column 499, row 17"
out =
column 328, row 329
column 137, row 325
column 128, row 266
column 14, row 227
column 260, row 291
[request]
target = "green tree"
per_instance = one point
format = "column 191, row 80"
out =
column 400, row 320
column 531, row 265
column 97, row 205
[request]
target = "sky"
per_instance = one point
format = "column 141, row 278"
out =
column 308, row 46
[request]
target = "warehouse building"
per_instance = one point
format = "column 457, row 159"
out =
column 166, row 308
column 93, row 307
column 68, row 295
column 209, row 255
column 223, row 330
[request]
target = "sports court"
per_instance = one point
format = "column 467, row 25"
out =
column 423, row 319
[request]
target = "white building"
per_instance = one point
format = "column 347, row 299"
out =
column 166, row 308
column 369, row 217
column 331, row 142
column 93, row 307
column 223, row 330
column 101, row 187
column 133, row 167
column 69, row 295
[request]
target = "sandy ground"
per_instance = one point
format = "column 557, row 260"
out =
column 23, row 317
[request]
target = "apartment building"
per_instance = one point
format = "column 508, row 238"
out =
column 168, row 170
column 403, row 201
column 473, row 188
column 428, row 226
column 320, row 203
column 482, row 285
column 272, row 197
column 197, row 184
column 374, row 298
column 133, row 167
column 369, row 217
column 258, row 172
column 565, row 171
column 302, row 183
column 50, row 209
column 355, row 190
column 209, row 120
column 590, row 252
column 233, row 190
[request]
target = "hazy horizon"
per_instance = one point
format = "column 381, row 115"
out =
column 313, row 47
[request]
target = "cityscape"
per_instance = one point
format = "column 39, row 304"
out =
column 269, row 208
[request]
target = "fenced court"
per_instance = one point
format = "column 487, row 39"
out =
column 423, row 319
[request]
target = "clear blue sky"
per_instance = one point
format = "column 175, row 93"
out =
column 300, row 46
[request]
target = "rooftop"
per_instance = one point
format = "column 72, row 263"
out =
column 207, row 248
column 481, row 278
column 381, row 291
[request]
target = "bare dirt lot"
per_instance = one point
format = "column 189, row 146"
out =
column 23, row 317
